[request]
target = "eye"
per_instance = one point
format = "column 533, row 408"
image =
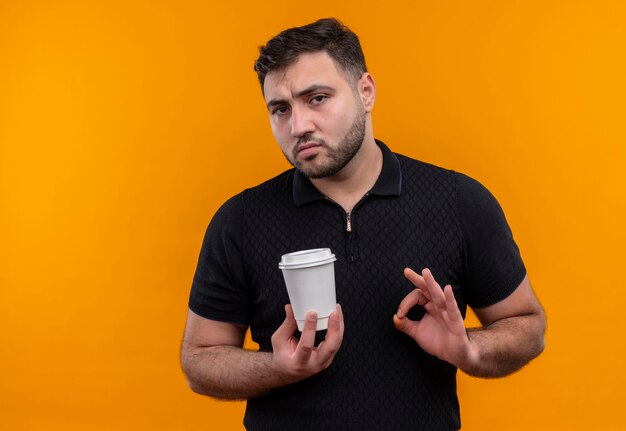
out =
column 316, row 100
column 280, row 110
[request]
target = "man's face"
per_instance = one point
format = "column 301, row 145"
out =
column 316, row 115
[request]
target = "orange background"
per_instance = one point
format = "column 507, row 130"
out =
column 124, row 125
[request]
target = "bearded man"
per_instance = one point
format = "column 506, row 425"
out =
column 415, row 244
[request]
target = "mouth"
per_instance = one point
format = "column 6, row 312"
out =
column 306, row 146
column 307, row 150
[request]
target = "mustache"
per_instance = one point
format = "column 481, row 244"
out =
column 305, row 139
column 308, row 137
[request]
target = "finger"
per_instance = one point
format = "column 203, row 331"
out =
column 405, row 325
column 451, row 306
column 415, row 297
column 307, row 338
column 434, row 289
column 417, row 280
column 284, row 332
column 334, row 336
column 414, row 277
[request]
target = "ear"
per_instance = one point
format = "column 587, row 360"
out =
column 367, row 91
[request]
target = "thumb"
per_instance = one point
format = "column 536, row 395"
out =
column 287, row 328
column 405, row 325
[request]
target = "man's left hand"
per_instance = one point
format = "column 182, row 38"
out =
column 441, row 331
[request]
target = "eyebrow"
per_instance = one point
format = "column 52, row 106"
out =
column 309, row 90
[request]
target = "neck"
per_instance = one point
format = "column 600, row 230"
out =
column 349, row 185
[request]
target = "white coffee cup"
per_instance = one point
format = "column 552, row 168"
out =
column 310, row 279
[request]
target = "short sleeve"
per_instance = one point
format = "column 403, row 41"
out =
column 219, row 290
column 493, row 266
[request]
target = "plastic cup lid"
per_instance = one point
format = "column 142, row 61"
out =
column 306, row 258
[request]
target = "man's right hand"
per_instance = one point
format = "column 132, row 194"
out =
column 299, row 359
column 216, row 364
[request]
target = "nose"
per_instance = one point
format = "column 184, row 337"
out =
column 301, row 122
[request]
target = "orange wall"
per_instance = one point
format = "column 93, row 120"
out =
column 124, row 125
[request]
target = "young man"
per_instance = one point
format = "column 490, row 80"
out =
column 415, row 244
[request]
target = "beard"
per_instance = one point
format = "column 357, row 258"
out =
column 338, row 157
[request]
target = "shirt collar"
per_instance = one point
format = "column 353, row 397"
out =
column 389, row 182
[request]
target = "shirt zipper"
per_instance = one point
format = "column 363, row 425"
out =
column 348, row 214
column 350, row 250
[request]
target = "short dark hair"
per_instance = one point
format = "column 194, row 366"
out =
column 327, row 34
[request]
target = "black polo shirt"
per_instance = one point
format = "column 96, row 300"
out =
column 417, row 215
